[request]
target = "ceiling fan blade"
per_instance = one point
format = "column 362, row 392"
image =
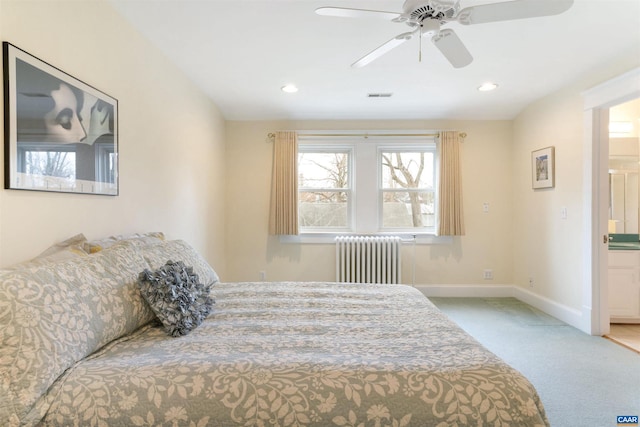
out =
column 381, row 50
column 448, row 42
column 515, row 9
column 345, row 12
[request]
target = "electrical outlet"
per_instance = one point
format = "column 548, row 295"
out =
column 488, row 275
column 485, row 207
column 263, row 276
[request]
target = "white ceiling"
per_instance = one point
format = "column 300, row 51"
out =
column 242, row 52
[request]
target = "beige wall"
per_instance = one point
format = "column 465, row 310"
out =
column 172, row 170
column 546, row 247
column 487, row 175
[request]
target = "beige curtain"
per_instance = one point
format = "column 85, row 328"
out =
column 451, row 221
column 283, row 217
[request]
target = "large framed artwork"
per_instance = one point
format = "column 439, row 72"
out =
column 543, row 168
column 61, row 134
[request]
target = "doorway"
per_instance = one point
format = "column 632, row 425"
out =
column 597, row 102
column 623, row 285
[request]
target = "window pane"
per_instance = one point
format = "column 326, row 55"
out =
column 323, row 209
column 51, row 163
column 407, row 170
column 402, row 209
column 323, row 170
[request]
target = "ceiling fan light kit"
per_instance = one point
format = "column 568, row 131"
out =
column 289, row 88
column 487, row 87
column 428, row 16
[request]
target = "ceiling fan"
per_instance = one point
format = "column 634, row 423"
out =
column 426, row 17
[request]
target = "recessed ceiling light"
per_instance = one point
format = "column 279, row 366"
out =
column 486, row 87
column 290, row 88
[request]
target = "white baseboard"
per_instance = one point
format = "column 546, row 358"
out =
column 568, row 315
column 588, row 326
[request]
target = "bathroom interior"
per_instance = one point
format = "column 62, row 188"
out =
column 624, row 219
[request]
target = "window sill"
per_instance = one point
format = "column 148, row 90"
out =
column 329, row 238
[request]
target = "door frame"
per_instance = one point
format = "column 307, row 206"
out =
column 597, row 101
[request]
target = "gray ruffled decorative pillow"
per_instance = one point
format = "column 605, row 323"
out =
column 181, row 302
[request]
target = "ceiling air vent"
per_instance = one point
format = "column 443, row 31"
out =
column 379, row 95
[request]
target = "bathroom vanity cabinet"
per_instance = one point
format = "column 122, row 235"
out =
column 624, row 286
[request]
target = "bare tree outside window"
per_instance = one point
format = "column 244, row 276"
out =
column 407, row 188
column 50, row 163
column 323, row 189
column 367, row 186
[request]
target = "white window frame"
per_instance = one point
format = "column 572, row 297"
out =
column 366, row 167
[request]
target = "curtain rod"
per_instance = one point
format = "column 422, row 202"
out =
column 272, row 135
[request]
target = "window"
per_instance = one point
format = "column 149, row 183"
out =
column 57, row 160
column 324, row 188
column 99, row 161
column 105, row 162
column 407, row 192
column 367, row 185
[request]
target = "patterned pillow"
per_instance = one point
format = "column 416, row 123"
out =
column 157, row 255
column 96, row 246
column 65, row 249
column 181, row 302
column 55, row 314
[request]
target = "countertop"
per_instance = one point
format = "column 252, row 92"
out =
column 624, row 242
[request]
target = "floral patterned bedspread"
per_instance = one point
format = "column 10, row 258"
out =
column 299, row 354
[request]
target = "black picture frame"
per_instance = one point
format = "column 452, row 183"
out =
column 60, row 133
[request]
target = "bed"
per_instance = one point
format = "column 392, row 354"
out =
column 301, row 354
column 296, row 354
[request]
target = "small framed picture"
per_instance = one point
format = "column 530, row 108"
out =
column 61, row 134
column 543, row 168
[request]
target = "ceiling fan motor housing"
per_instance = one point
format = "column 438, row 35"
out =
column 418, row 11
